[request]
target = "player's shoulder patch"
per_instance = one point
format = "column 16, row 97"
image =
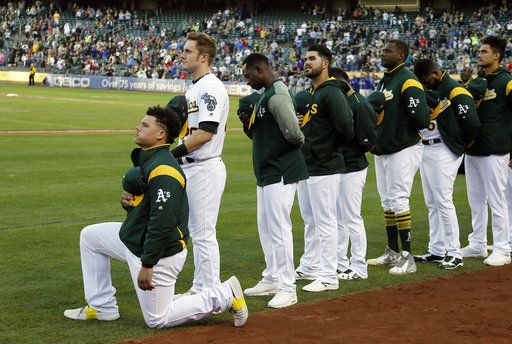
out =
column 210, row 101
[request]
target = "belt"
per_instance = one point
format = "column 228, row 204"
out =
column 431, row 141
column 185, row 160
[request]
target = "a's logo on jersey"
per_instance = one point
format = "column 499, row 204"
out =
column 210, row 101
column 463, row 109
column 388, row 94
column 163, row 196
column 192, row 106
column 413, row 102
column 441, row 106
column 261, row 112
column 489, row 94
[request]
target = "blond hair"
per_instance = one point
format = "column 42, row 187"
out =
column 205, row 44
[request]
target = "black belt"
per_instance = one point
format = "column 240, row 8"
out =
column 431, row 141
column 184, row 160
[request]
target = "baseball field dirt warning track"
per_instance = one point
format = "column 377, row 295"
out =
column 471, row 307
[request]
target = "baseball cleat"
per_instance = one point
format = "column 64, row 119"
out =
column 451, row 262
column 302, row 276
column 389, row 257
column 405, row 265
column 428, row 258
column 497, row 259
column 317, row 286
column 472, row 252
column 88, row 313
column 349, row 275
column 261, row 289
column 239, row 307
column 283, row 299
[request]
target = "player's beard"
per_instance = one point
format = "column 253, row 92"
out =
column 313, row 73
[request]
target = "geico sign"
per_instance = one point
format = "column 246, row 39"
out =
column 71, row 81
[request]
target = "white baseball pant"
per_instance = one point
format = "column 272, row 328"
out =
column 438, row 171
column 309, row 261
column 323, row 196
column 395, row 176
column 100, row 242
column 351, row 224
column 205, row 184
column 486, row 180
column 509, row 203
column 274, row 205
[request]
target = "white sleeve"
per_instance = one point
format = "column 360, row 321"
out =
column 211, row 103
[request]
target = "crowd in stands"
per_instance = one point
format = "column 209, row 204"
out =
column 114, row 41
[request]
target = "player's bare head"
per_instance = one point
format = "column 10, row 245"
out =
column 256, row 69
column 205, row 46
column 427, row 72
column 318, row 59
column 338, row 74
column 394, row 53
column 466, row 74
column 168, row 120
column 491, row 52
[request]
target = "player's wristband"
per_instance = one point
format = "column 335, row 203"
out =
column 179, row 151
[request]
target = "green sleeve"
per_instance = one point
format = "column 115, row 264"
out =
column 365, row 126
column 463, row 107
column 165, row 194
column 415, row 104
column 477, row 88
column 336, row 105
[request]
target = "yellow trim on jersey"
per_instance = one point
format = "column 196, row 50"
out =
column 253, row 117
column 162, row 145
column 458, row 91
column 391, row 71
column 306, row 118
column 509, row 88
column 137, row 199
column 411, row 83
column 477, row 103
column 183, row 244
column 443, row 105
column 380, row 117
column 90, row 313
column 167, row 171
column 184, row 130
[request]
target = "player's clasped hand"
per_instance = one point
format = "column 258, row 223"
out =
column 242, row 116
column 145, row 279
column 126, row 200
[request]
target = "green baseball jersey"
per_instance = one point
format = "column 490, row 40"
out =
column 157, row 224
column 405, row 111
column 477, row 87
column 365, row 132
column 276, row 138
column 327, row 125
column 455, row 117
column 495, row 113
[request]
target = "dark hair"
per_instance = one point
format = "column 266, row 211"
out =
column 338, row 73
column 322, row 51
column 497, row 45
column 401, row 45
column 423, row 68
column 168, row 119
column 255, row 59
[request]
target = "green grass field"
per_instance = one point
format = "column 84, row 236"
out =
column 52, row 185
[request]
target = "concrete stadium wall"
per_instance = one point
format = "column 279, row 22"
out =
column 20, row 76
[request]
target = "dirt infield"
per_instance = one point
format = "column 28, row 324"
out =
column 471, row 307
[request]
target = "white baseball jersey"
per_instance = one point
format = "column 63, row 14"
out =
column 207, row 101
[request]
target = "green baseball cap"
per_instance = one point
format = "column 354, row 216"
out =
column 303, row 100
column 132, row 181
column 179, row 104
column 377, row 100
column 246, row 104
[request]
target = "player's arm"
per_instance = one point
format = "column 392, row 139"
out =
column 281, row 106
column 336, row 105
column 165, row 190
column 365, row 127
column 463, row 106
column 415, row 103
column 477, row 88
